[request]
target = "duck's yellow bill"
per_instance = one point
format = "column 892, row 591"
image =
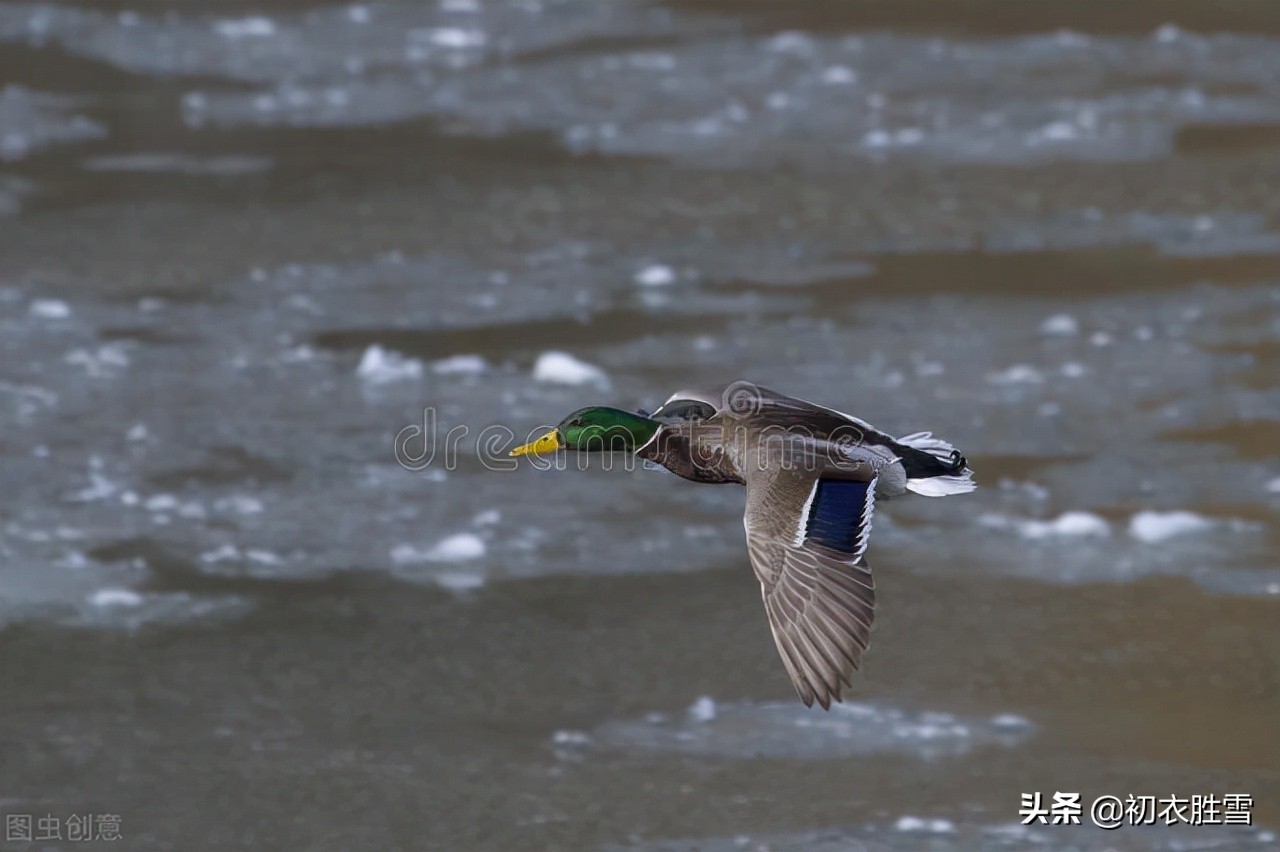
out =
column 548, row 443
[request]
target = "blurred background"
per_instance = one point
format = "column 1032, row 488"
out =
column 243, row 245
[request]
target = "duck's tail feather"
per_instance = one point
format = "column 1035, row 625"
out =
column 943, row 486
column 947, row 472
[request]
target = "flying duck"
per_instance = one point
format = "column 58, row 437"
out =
column 812, row 476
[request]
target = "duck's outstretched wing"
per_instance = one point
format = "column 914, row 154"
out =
column 806, row 536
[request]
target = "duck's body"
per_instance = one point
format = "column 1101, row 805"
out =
column 812, row 476
column 705, row 431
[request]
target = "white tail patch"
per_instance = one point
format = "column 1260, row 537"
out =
column 942, row 486
column 925, row 442
column 938, row 486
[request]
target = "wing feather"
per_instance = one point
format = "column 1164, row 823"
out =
column 820, row 599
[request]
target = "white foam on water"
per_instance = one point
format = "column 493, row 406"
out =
column 382, row 366
column 1153, row 527
column 1273, row 486
column 562, row 368
column 50, row 309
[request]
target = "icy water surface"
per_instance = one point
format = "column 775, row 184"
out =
column 241, row 249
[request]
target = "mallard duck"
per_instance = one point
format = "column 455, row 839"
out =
column 812, row 476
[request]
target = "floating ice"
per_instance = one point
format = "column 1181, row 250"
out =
column 458, row 581
column 115, row 597
column 1154, row 527
column 455, row 548
column 563, row 368
column 50, row 309
column 910, row 833
column 460, row 365
column 456, row 38
column 1074, row 523
column 1058, row 131
column 1273, row 486
column 571, row 738
column 928, row 826
column 703, row 710
column 487, row 517
column 655, row 275
column 103, row 361
column 239, row 504
column 839, row 75
column 137, row 432
column 790, row 730
column 1060, row 325
column 100, row 488
column 1018, row 374
column 381, row 366
column 31, row 120
column 1011, row 721
column 222, row 553
column 161, row 503
column 254, row 27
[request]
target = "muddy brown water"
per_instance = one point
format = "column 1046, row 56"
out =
column 228, row 615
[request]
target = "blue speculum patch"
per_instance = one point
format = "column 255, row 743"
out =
column 835, row 518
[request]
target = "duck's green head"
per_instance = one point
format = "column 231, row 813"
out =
column 595, row 429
